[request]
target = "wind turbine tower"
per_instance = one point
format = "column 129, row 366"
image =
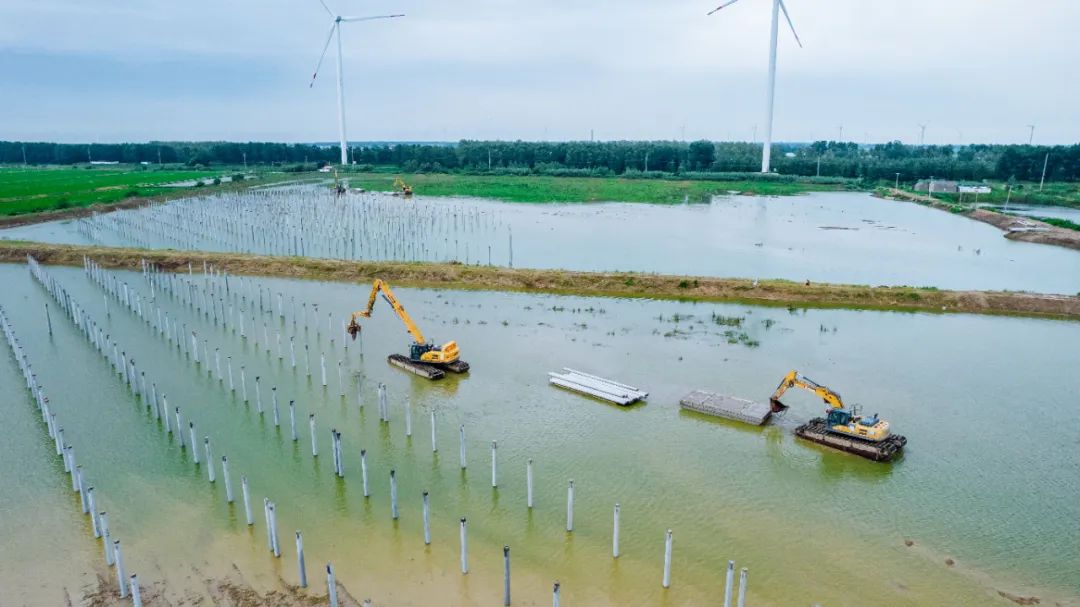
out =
column 335, row 31
column 1031, row 133
column 777, row 7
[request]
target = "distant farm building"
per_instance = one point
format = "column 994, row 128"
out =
column 938, row 185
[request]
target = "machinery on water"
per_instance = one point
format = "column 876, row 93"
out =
column 340, row 187
column 842, row 428
column 402, row 188
column 425, row 359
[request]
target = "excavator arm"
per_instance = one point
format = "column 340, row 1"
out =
column 794, row 380
column 380, row 286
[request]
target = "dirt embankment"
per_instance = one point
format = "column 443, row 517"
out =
column 604, row 284
column 1043, row 232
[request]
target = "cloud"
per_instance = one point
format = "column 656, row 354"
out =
column 976, row 70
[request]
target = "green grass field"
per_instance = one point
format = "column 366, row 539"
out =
column 535, row 188
column 35, row 189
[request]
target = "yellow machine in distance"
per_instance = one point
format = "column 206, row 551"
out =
column 424, row 359
column 401, row 186
column 839, row 419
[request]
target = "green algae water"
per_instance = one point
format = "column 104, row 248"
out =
column 988, row 481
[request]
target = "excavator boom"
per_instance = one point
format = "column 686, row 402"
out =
column 388, row 295
column 794, row 380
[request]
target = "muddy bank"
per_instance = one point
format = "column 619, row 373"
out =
column 613, row 284
column 1062, row 237
column 1045, row 234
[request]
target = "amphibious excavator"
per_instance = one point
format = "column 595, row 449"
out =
column 841, row 428
column 403, row 188
column 425, row 359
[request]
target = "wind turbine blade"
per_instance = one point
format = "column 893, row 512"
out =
column 724, row 5
column 327, row 9
column 783, row 7
column 323, row 55
column 370, row 18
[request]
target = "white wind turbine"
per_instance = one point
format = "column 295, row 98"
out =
column 335, row 29
column 778, row 5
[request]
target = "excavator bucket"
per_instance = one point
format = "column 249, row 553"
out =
column 353, row 329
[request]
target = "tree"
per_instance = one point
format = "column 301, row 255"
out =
column 702, row 154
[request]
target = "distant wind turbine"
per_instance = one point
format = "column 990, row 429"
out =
column 335, row 29
column 1031, row 135
column 778, row 5
column 922, row 134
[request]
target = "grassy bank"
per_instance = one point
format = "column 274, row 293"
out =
column 603, row 284
column 145, row 195
column 36, row 189
column 539, row 188
column 1058, row 222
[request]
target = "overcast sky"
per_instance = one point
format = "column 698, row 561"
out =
column 138, row 70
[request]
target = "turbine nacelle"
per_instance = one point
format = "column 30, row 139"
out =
column 783, row 7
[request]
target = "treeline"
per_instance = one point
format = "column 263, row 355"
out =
column 189, row 153
column 823, row 158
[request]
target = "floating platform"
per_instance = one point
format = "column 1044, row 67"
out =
column 817, row 431
column 727, row 407
column 605, row 389
column 426, row 370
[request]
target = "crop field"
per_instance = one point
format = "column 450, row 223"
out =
column 30, row 190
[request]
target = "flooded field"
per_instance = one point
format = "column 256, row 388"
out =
column 982, row 485
column 823, row 237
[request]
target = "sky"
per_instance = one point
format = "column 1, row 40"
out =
column 973, row 71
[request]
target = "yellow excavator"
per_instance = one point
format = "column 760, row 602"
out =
column 425, row 359
column 402, row 187
column 839, row 419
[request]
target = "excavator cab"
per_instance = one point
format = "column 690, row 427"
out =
column 430, row 353
column 838, row 417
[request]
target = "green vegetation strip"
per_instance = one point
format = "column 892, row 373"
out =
column 30, row 190
column 603, row 284
column 536, row 188
column 1059, row 222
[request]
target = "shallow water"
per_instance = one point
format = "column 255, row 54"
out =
column 971, row 393
column 1042, row 211
column 823, row 237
